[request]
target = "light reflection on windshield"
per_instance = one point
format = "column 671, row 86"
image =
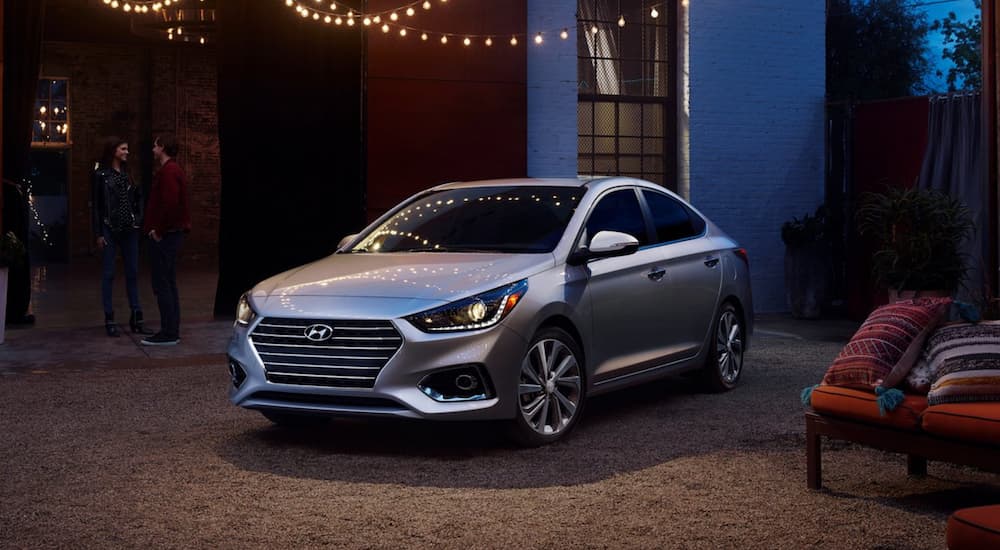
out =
column 525, row 219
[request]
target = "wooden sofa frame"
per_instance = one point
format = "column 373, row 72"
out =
column 919, row 447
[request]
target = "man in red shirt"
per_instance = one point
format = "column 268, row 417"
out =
column 167, row 219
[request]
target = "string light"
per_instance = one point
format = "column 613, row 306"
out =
column 393, row 20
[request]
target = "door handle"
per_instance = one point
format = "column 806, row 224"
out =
column 656, row 274
column 711, row 262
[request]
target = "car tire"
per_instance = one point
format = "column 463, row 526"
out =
column 292, row 420
column 548, row 409
column 724, row 362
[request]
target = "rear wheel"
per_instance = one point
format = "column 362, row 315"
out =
column 292, row 420
column 550, row 390
column 724, row 364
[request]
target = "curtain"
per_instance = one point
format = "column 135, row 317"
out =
column 955, row 164
column 602, row 47
column 22, row 47
column 290, row 140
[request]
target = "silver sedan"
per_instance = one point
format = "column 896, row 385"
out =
column 512, row 300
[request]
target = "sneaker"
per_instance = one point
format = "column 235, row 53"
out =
column 160, row 339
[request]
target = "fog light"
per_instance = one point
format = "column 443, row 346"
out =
column 464, row 383
column 236, row 372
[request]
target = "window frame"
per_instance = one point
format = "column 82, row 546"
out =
column 49, row 144
column 651, row 223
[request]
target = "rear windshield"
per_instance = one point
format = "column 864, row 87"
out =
column 479, row 219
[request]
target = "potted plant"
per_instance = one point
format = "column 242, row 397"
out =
column 919, row 233
column 807, row 263
column 12, row 254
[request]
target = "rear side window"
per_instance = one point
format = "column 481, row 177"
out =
column 618, row 211
column 673, row 221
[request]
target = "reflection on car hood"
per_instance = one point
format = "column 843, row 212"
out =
column 416, row 275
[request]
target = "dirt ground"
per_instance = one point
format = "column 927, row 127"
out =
column 157, row 457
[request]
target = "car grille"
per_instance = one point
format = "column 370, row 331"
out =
column 351, row 357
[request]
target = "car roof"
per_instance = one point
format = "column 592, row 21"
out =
column 579, row 181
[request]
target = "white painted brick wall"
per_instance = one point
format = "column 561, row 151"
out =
column 552, row 96
column 757, row 87
column 751, row 120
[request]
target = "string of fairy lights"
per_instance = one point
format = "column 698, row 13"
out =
column 336, row 15
column 393, row 20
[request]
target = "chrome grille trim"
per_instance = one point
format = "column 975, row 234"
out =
column 348, row 359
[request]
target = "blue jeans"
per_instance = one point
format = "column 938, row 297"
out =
column 128, row 242
column 163, row 256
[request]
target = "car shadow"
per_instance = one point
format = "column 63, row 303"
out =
column 620, row 432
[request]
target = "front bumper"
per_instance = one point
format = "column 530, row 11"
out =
column 498, row 350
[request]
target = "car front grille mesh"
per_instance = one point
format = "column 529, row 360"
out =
column 336, row 353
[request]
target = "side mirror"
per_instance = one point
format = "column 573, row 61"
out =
column 346, row 241
column 605, row 244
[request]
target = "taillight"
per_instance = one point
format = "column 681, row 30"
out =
column 741, row 253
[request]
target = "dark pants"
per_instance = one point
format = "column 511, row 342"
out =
column 163, row 256
column 128, row 242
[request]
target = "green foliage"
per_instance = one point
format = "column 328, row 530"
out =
column 12, row 250
column 962, row 41
column 875, row 49
column 919, row 234
column 808, row 230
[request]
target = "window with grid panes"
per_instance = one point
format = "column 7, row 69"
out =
column 51, row 124
column 626, row 115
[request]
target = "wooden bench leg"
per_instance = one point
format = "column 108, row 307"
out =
column 814, row 457
column 916, row 465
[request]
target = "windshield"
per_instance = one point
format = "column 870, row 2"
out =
column 478, row 219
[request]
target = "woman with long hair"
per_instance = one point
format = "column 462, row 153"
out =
column 116, row 218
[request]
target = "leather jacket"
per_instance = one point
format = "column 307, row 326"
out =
column 103, row 213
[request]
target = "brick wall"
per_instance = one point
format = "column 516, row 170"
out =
column 552, row 95
column 756, row 77
column 135, row 92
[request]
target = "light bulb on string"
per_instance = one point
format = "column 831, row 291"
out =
column 467, row 41
column 427, row 5
column 316, row 16
column 564, row 34
column 423, row 36
column 593, row 29
column 513, row 41
column 327, row 19
column 377, row 19
column 621, row 20
column 489, row 41
column 538, row 38
column 385, row 28
column 444, row 39
column 393, row 16
column 367, row 21
column 410, row 11
column 402, row 32
column 338, row 21
column 653, row 13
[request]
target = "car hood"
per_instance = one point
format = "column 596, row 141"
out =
column 433, row 276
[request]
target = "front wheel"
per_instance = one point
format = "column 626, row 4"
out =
column 551, row 389
column 725, row 357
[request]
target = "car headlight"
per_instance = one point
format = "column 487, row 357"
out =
column 477, row 312
column 244, row 313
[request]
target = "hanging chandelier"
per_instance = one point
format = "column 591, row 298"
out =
column 188, row 21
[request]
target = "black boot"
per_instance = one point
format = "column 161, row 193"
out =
column 109, row 325
column 135, row 323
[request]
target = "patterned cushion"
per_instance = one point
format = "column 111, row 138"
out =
column 887, row 344
column 965, row 360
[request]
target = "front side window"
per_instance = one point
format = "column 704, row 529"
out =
column 672, row 220
column 618, row 211
column 522, row 219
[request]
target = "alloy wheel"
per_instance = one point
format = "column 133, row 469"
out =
column 729, row 347
column 549, row 388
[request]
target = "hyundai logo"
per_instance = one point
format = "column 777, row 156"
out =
column 319, row 333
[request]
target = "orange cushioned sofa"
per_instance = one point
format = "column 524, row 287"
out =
column 961, row 433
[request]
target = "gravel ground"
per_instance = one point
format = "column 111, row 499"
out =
column 156, row 457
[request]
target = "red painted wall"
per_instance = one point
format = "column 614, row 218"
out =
column 439, row 113
column 890, row 138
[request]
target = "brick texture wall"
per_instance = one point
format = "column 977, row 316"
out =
column 756, row 92
column 552, row 95
column 135, row 93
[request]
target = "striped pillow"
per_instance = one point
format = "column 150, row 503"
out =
column 887, row 344
column 965, row 361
